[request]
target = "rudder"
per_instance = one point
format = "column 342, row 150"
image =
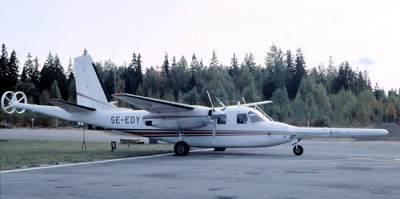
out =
column 90, row 91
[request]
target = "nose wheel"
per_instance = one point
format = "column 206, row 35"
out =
column 298, row 150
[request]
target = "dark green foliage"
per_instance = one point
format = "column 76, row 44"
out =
column 53, row 71
column 299, row 72
column 55, row 91
column 129, row 76
column 275, row 75
column 71, row 83
column 8, row 70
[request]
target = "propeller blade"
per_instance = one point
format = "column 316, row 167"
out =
column 214, row 130
column 212, row 105
column 222, row 104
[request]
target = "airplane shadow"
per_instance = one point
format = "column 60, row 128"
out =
column 242, row 154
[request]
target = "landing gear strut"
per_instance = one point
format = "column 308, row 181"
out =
column 298, row 150
column 181, row 148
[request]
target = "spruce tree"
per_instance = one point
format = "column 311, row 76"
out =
column 27, row 69
column 9, row 71
column 55, row 91
column 3, row 68
column 138, row 75
column 300, row 71
column 129, row 76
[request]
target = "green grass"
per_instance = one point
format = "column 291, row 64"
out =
column 16, row 154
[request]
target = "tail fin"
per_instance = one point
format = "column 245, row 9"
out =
column 90, row 90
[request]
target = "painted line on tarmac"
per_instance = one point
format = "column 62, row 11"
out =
column 359, row 158
column 95, row 162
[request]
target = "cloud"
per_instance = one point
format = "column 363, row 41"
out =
column 365, row 61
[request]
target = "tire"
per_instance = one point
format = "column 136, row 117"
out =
column 298, row 150
column 219, row 149
column 181, row 148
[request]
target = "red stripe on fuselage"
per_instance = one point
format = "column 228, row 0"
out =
column 200, row 133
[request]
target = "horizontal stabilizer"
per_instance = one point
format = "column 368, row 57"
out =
column 71, row 107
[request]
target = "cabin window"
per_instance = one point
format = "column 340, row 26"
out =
column 254, row 117
column 241, row 118
column 221, row 120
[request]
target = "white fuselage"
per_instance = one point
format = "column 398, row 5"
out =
column 231, row 134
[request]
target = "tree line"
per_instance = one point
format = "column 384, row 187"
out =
column 332, row 95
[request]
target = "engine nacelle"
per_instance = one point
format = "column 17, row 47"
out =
column 198, row 117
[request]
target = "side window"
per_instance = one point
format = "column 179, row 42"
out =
column 241, row 118
column 221, row 120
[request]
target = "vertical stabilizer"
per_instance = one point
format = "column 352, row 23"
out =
column 90, row 90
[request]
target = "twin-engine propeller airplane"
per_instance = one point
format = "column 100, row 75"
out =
column 238, row 126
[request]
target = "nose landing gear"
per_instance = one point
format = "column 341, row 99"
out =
column 298, row 150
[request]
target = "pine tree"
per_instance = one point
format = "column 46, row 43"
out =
column 3, row 69
column 60, row 77
column 214, row 60
column 275, row 76
column 71, row 83
column 280, row 109
column 165, row 66
column 53, row 70
column 196, row 79
column 9, row 70
column 129, row 76
column 290, row 74
column 138, row 75
column 27, row 69
column 55, row 91
column 249, row 61
column 234, row 68
column 300, row 71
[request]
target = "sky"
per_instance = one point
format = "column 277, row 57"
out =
column 365, row 33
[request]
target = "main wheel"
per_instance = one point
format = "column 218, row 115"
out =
column 298, row 150
column 181, row 148
column 219, row 149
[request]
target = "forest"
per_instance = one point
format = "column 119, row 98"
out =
column 335, row 95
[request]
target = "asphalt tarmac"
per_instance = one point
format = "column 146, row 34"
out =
column 69, row 134
column 327, row 169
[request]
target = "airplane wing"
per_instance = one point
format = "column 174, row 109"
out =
column 152, row 105
column 71, row 107
column 256, row 103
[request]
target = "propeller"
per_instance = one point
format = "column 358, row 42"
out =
column 215, row 114
column 10, row 98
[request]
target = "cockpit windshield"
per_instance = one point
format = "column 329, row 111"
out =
column 255, row 116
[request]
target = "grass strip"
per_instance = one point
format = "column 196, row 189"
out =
column 18, row 154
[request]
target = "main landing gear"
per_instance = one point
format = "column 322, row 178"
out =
column 181, row 148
